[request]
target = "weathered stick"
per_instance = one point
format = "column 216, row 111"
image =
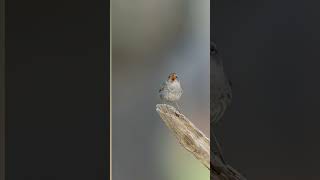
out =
column 193, row 140
column 189, row 136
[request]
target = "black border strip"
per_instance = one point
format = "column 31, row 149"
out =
column 2, row 90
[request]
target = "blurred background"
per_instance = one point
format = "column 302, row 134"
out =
column 270, row 50
column 150, row 39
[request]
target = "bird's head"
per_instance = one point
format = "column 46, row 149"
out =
column 172, row 77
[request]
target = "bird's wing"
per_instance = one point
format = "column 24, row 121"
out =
column 163, row 85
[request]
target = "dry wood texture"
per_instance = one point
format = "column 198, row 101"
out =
column 193, row 140
column 189, row 136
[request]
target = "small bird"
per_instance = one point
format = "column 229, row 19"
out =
column 221, row 96
column 220, row 86
column 170, row 90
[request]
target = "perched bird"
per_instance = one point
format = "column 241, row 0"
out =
column 170, row 90
column 221, row 96
column 220, row 100
column 221, row 92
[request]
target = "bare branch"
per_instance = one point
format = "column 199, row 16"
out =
column 189, row 136
column 193, row 140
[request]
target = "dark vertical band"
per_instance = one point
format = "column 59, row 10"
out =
column 2, row 90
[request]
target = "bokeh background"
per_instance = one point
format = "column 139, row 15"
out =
column 150, row 39
column 270, row 50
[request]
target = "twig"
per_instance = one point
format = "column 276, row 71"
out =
column 193, row 140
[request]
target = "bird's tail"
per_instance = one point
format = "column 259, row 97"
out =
column 216, row 148
column 224, row 172
column 220, row 169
